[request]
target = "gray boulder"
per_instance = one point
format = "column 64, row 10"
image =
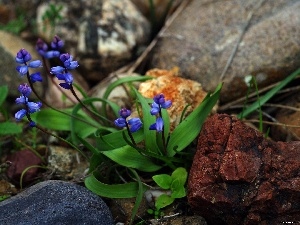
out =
column 202, row 38
column 55, row 202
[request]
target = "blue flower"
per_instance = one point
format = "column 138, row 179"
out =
column 68, row 62
column 158, row 126
column 158, row 104
column 57, row 43
column 51, row 54
column 23, row 57
column 124, row 113
column 30, row 107
column 24, row 89
column 41, row 47
column 160, row 100
column 134, row 124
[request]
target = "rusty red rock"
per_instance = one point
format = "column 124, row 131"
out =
column 239, row 177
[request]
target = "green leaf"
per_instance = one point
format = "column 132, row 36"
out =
column 268, row 95
column 148, row 119
column 127, row 190
column 3, row 93
column 130, row 157
column 55, row 120
column 163, row 201
column 118, row 82
column 115, row 140
column 163, row 180
column 9, row 128
column 181, row 174
column 190, row 127
column 177, row 188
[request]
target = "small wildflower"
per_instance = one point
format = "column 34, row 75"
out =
column 158, row 104
column 51, row 54
column 124, row 113
column 160, row 100
column 41, row 47
column 23, row 57
column 134, row 124
column 24, row 89
column 30, row 107
column 57, row 43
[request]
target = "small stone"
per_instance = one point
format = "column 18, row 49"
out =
column 55, row 202
column 20, row 161
column 182, row 92
column 179, row 220
column 239, row 177
column 66, row 163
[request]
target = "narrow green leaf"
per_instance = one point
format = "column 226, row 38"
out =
column 268, row 95
column 139, row 197
column 9, row 128
column 130, row 157
column 115, row 140
column 190, row 127
column 3, row 93
column 127, row 190
column 118, row 82
column 148, row 119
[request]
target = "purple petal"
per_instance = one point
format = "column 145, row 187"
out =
column 166, row 104
column 124, row 113
column 21, row 100
column 22, row 70
column 65, row 86
column 20, row 114
column 120, row 122
column 36, row 77
column 35, row 64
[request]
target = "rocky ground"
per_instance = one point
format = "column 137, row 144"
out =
column 238, row 176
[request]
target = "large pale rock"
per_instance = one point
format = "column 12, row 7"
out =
column 201, row 39
column 104, row 34
column 238, row 177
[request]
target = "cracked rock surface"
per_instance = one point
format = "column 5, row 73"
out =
column 239, row 177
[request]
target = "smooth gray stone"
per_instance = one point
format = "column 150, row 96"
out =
column 55, row 203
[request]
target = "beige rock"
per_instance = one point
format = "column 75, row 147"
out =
column 182, row 92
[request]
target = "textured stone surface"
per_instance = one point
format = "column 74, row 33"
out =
column 66, row 163
column 238, row 177
column 201, row 39
column 104, row 34
column 180, row 91
column 20, row 161
column 55, row 202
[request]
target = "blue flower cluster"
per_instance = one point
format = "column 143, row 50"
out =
column 61, row 72
column 30, row 107
column 158, row 104
column 23, row 58
column 133, row 124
